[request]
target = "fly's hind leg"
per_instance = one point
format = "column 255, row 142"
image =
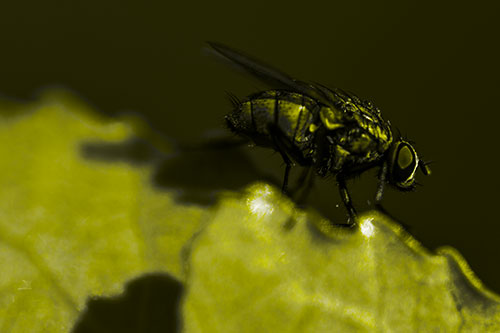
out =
column 346, row 198
column 280, row 147
column 288, row 162
column 284, row 187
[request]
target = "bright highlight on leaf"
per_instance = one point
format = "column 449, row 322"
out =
column 250, row 276
column 76, row 223
column 366, row 228
column 259, row 204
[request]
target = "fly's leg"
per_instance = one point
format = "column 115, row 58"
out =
column 346, row 198
column 281, row 147
column 382, row 179
column 288, row 162
column 284, row 187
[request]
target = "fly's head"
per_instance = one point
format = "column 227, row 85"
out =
column 403, row 161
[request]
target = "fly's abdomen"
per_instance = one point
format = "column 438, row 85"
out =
column 287, row 113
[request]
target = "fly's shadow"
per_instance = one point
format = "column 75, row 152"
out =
column 196, row 173
column 134, row 151
column 148, row 304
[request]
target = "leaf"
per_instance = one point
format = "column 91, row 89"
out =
column 250, row 272
column 73, row 227
column 82, row 216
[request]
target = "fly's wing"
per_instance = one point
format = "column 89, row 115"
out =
column 339, row 95
column 270, row 75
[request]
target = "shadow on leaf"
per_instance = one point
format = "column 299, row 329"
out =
column 148, row 304
column 134, row 151
column 197, row 175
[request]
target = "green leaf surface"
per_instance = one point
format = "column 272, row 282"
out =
column 75, row 225
column 250, row 271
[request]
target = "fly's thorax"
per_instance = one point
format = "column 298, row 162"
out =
column 332, row 118
column 351, row 111
column 352, row 139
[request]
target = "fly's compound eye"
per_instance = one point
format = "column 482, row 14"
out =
column 404, row 162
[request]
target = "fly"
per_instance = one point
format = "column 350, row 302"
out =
column 331, row 130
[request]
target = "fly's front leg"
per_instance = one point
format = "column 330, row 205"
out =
column 346, row 198
column 382, row 179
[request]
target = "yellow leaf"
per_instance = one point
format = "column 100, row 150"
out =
column 80, row 220
column 250, row 272
column 73, row 227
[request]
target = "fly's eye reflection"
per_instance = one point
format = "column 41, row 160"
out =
column 405, row 157
column 327, row 130
column 404, row 167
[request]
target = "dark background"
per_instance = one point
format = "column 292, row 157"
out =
column 432, row 68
